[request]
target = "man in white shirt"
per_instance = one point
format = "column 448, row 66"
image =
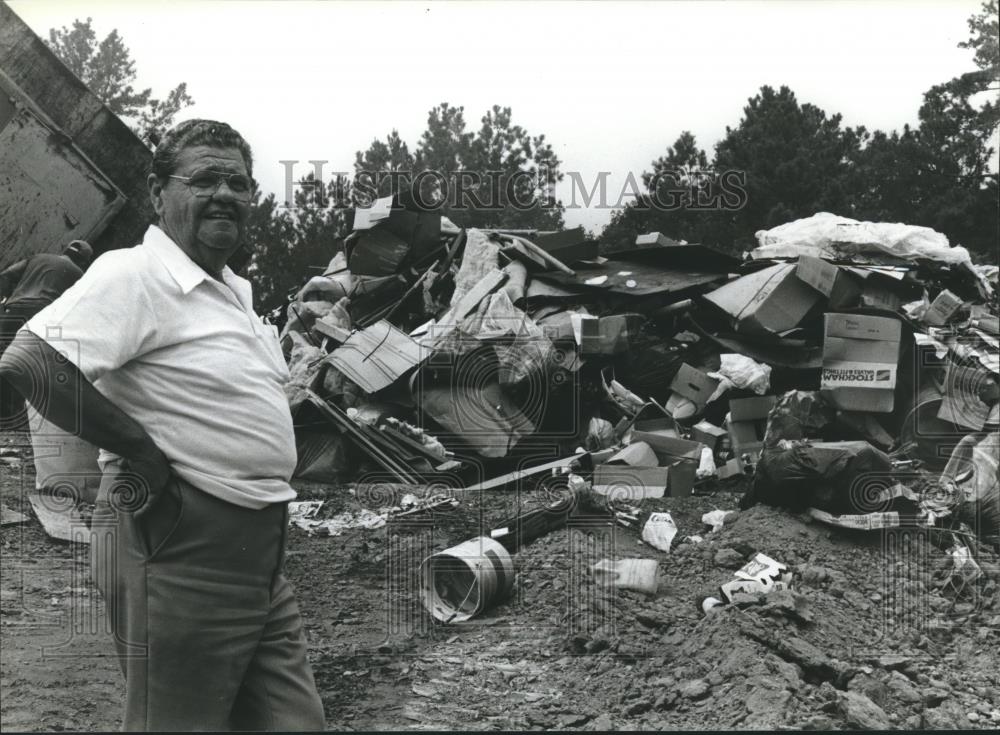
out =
column 172, row 374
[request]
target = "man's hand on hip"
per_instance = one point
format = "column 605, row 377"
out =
column 144, row 476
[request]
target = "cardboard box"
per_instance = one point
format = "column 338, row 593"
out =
column 747, row 423
column 586, row 330
column 680, row 455
column 942, row 308
column 708, row 434
column 624, row 482
column 694, row 385
column 377, row 252
column 860, row 362
column 683, row 474
column 377, row 356
column 732, row 468
column 840, row 289
column 755, row 408
column 875, row 295
column 768, row 302
column 652, row 417
column 668, row 448
column 636, row 454
column 608, row 335
column 884, row 287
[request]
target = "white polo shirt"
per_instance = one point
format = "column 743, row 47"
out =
column 186, row 357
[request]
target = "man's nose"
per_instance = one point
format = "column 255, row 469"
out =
column 222, row 191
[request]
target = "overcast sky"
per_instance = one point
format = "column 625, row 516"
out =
column 610, row 84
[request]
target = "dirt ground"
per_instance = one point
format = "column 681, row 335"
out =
column 872, row 634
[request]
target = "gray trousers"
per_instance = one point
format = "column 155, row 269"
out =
column 206, row 626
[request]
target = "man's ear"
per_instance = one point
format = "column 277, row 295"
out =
column 155, row 187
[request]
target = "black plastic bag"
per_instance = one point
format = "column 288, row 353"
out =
column 838, row 477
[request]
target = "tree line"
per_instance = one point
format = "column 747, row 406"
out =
column 794, row 158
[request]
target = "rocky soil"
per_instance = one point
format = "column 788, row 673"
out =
column 874, row 632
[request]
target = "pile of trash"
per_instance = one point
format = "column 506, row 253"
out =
column 847, row 369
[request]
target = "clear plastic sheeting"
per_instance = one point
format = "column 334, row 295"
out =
column 303, row 363
column 974, row 468
column 826, row 235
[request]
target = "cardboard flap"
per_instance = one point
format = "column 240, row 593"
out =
column 858, row 326
column 751, row 409
column 636, row 454
column 667, row 448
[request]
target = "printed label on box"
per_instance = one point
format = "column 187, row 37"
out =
column 847, row 374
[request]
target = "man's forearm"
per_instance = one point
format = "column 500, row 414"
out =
column 63, row 396
column 9, row 278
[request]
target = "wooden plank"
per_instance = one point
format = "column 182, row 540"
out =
column 512, row 477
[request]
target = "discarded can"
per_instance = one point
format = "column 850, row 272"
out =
column 459, row 583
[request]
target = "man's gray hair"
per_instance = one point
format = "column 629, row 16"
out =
column 197, row 132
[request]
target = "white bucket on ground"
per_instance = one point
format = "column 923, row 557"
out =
column 459, row 583
column 64, row 463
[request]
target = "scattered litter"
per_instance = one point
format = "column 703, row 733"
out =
column 870, row 521
column 761, row 575
column 306, row 520
column 718, row 518
column 966, row 568
column 10, row 517
column 422, row 346
column 639, row 575
column 659, row 531
column 706, row 465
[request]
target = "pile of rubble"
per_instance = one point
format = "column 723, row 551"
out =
column 846, row 369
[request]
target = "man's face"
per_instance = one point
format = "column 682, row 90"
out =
column 208, row 228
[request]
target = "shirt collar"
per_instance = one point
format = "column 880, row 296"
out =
column 182, row 269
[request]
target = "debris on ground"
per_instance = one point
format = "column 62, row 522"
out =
column 532, row 453
column 803, row 377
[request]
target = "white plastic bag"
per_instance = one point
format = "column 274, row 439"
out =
column 706, row 464
column 659, row 531
column 715, row 518
column 600, row 435
column 739, row 371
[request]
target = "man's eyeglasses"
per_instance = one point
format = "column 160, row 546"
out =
column 206, row 183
